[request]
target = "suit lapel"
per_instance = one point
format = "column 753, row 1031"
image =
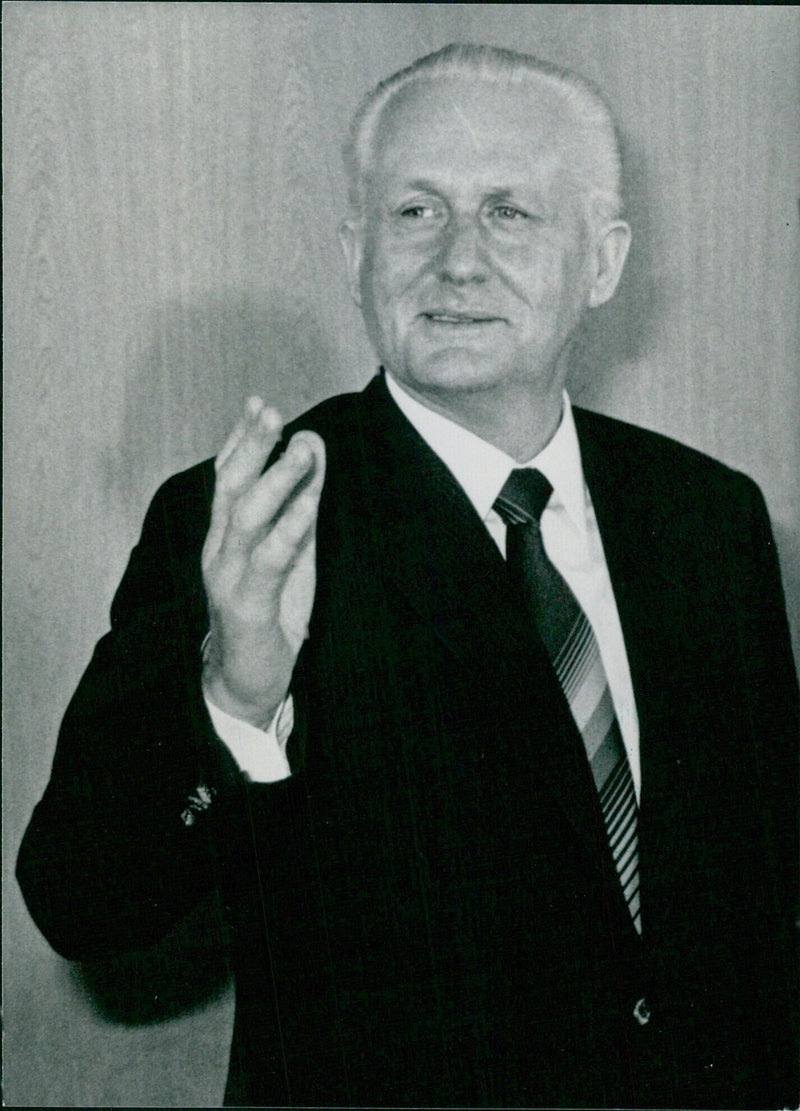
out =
column 439, row 556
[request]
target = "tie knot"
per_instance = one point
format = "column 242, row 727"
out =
column 523, row 497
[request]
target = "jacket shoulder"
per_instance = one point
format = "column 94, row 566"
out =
column 335, row 417
column 639, row 454
column 195, row 483
column 180, row 510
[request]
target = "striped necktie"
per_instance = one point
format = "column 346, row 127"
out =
column 572, row 647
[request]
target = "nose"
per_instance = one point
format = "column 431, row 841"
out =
column 462, row 257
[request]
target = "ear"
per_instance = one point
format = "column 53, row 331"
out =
column 608, row 259
column 352, row 240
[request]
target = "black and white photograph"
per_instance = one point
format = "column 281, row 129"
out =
column 401, row 577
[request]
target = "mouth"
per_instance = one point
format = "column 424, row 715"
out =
column 459, row 318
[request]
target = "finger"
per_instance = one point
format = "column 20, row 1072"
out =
column 248, row 453
column 253, row 407
column 242, row 464
column 256, row 509
column 316, row 445
column 222, row 495
column 278, row 552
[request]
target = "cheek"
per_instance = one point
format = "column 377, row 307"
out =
column 396, row 278
column 538, row 283
column 383, row 304
column 556, row 283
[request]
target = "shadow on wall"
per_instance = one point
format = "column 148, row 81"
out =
column 189, row 371
column 617, row 335
column 186, row 971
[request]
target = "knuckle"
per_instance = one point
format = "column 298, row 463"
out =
column 223, row 483
column 277, row 545
column 240, row 517
column 308, row 502
column 268, row 560
column 297, row 528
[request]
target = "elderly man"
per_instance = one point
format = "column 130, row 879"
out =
column 479, row 708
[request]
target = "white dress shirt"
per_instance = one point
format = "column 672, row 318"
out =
column 572, row 541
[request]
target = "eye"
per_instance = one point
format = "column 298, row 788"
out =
column 417, row 212
column 508, row 212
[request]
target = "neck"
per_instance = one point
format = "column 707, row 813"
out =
column 519, row 425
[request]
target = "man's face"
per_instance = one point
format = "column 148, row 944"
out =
column 472, row 263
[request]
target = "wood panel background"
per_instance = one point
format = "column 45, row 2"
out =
column 172, row 191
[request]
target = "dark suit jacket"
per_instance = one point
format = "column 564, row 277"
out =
column 426, row 912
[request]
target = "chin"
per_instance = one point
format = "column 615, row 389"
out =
column 452, row 370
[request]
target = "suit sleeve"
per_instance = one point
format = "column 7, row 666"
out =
column 145, row 806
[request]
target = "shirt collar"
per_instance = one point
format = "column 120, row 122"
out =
column 482, row 469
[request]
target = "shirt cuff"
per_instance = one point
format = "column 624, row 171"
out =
column 260, row 753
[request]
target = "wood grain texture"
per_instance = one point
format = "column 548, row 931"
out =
column 172, row 192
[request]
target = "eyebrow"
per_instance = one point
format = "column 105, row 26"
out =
column 502, row 192
column 421, row 184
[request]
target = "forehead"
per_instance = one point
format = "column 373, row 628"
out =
column 464, row 130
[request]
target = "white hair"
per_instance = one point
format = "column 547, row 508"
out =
column 600, row 172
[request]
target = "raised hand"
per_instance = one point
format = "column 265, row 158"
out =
column 259, row 566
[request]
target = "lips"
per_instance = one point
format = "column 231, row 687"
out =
column 459, row 316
